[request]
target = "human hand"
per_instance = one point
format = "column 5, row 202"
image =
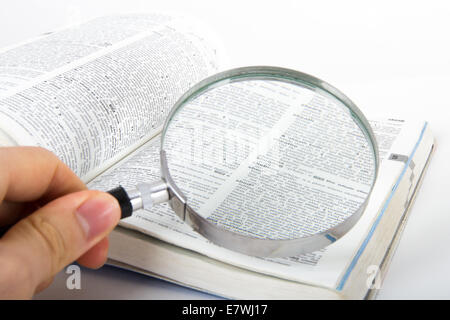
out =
column 56, row 221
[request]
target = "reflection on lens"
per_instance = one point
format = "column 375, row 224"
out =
column 269, row 159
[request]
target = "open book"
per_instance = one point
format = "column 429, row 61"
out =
column 97, row 95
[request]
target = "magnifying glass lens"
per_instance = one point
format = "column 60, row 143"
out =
column 269, row 158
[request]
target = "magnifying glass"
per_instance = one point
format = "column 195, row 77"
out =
column 265, row 161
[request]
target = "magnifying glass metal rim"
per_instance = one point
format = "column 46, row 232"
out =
column 247, row 244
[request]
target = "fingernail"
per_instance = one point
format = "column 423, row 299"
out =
column 97, row 215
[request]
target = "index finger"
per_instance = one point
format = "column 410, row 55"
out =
column 31, row 173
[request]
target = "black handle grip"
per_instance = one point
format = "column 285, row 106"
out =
column 124, row 201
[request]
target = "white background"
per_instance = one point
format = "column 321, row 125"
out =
column 390, row 58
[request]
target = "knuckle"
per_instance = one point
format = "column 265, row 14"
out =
column 43, row 150
column 46, row 152
column 50, row 238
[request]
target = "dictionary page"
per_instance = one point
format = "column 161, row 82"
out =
column 263, row 146
column 321, row 268
column 94, row 92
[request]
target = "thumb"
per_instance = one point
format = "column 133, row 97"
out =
column 43, row 243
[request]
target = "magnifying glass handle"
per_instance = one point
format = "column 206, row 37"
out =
column 126, row 208
column 143, row 196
